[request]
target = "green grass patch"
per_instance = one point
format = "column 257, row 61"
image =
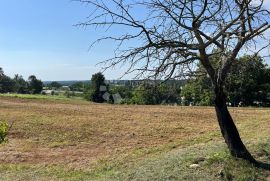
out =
column 216, row 164
column 39, row 96
column 16, row 172
column 3, row 131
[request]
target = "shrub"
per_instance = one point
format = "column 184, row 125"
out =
column 3, row 131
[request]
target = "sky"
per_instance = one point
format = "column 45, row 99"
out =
column 39, row 37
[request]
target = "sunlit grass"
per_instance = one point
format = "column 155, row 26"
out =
column 40, row 96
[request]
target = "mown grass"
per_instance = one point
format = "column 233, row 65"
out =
column 173, row 165
column 77, row 140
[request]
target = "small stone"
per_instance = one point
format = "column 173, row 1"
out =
column 194, row 166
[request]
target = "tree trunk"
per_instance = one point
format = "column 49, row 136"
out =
column 228, row 128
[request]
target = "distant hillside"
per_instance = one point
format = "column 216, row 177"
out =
column 67, row 82
column 117, row 82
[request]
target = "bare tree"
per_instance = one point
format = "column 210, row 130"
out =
column 163, row 38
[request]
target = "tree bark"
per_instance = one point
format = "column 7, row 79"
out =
column 228, row 128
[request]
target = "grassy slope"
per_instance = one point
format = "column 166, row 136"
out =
column 76, row 140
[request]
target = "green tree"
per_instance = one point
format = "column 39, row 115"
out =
column 152, row 94
column 169, row 93
column 21, row 85
column 1, row 72
column 125, row 91
column 197, row 92
column 6, row 83
column 79, row 86
column 146, row 94
column 247, row 83
column 55, row 85
column 97, row 88
column 35, row 85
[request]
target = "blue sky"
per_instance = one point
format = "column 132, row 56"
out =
column 38, row 37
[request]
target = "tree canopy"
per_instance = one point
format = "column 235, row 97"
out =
column 97, row 88
column 248, row 84
column 35, row 85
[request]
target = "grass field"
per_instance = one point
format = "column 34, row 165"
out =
column 67, row 139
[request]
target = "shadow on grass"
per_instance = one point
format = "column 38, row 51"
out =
column 262, row 165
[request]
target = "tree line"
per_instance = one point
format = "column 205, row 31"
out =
column 248, row 84
column 146, row 93
column 19, row 85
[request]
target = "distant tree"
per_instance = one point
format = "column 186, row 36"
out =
column 146, row 94
column 55, row 85
column 1, row 71
column 248, row 82
column 20, row 86
column 6, row 83
column 152, row 94
column 97, row 88
column 35, row 85
column 196, row 93
column 169, row 93
column 125, row 91
column 79, row 86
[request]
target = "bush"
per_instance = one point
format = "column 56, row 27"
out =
column 69, row 94
column 3, row 131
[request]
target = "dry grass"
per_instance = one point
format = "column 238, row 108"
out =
column 82, row 135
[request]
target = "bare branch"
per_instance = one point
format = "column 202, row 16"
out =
column 170, row 34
